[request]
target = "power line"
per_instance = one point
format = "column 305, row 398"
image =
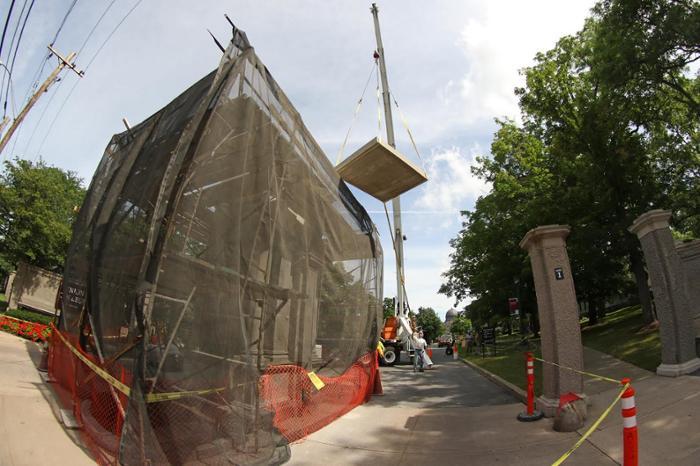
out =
column 70, row 93
column 92, row 31
column 12, row 43
column 35, row 81
column 63, row 22
column 14, row 56
column 58, row 87
column 7, row 22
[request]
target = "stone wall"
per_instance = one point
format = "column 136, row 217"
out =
column 32, row 287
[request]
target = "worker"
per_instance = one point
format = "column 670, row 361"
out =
column 419, row 344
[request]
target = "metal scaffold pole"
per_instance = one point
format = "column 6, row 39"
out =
column 396, row 202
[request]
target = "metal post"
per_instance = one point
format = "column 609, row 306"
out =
column 396, row 202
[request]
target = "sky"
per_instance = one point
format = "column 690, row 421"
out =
column 452, row 67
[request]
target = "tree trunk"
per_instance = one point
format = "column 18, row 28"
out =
column 642, row 279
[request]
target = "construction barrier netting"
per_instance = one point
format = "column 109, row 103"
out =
column 222, row 291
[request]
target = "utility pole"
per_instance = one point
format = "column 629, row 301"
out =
column 396, row 202
column 53, row 77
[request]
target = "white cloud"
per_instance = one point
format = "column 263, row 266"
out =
column 502, row 39
column 451, row 184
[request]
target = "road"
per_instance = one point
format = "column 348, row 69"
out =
column 450, row 383
column 448, row 415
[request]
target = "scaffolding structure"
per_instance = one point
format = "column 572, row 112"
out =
column 223, row 287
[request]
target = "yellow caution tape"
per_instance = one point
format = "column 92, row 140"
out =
column 592, row 428
column 380, row 349
column 594, row 376
column 151, row 397
column 318, row 383
column 98, row 370
column 156, row 397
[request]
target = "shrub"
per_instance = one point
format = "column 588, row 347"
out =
column 29, row 316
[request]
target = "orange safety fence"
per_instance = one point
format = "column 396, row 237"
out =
column 300, row 408
column 97, row 406
column 286, row 391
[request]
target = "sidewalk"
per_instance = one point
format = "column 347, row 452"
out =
column 667, row 412
column 395, row 432
column 29, row 419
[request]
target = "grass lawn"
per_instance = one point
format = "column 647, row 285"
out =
column 509, row 361
column 618, row 335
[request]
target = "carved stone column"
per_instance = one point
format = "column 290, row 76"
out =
column 668, row 282
column 558, row 313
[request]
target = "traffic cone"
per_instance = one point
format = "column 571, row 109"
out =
column 430, row 352
column 629, row 431
column 455, row 354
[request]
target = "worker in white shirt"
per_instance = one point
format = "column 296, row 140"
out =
column 421, row 358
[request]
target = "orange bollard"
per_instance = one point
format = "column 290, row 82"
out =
column 630, row 436
column 430, row 352
column 530, row 415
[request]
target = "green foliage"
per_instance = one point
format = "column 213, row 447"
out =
column 388, row 307
column 460, row 325
column 597, row 148
column 29, row 316
column 38, row 204
column 428, row 321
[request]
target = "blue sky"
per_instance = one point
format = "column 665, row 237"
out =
column 452, row 66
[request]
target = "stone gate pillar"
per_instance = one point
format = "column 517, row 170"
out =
column 668, row 282
column 557, row 307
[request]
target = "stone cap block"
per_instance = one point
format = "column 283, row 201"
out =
column 653, row 220
column 544, row 232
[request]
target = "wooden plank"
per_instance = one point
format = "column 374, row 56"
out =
column 381, row 171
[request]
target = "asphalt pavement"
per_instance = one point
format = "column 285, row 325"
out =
column 447, row 415
column 450, row 383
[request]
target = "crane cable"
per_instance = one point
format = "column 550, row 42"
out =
column 408, row 130
column 393, row 244
column 357, row 111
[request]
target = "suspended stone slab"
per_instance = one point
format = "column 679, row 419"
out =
column 381, row 171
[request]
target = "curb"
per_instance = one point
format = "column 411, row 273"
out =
column 518, row 392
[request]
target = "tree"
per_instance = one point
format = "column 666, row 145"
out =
column 460, row 325
column 487, row 263
column 428, row 321
column 645, row 45
column 388, row 307
column 590, row 155
column 38, row 204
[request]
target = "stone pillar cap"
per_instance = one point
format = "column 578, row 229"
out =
column 546, row 231
column 653, row 220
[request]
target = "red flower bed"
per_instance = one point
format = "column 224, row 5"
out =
column 29, row 330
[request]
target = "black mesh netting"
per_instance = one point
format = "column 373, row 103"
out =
column 217, row 260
